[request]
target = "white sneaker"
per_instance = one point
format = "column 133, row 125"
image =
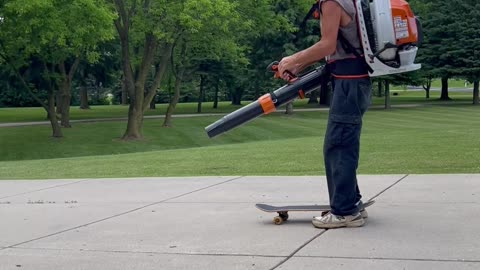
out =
column 331, row 221
column 364, row 213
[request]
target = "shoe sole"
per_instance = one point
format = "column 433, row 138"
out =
column 351, row 224
column 356, row 223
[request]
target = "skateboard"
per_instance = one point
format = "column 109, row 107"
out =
column 283, row 210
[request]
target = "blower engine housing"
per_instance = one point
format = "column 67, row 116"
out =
column 390, row 35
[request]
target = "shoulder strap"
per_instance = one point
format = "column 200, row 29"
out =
column 349, row 48
column 314, row 11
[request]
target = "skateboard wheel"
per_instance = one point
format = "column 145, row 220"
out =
column 278, row 220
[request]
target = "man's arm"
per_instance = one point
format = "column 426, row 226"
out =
column 331, row 17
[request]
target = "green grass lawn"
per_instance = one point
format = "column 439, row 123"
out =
column 455, row 83
column 437, row 83
column 427, row 139
column 399, row 97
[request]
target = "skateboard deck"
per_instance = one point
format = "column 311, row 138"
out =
column 283, row 210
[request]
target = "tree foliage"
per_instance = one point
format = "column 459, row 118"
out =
column 452, row 39
column 213, row 46
column 49, row 37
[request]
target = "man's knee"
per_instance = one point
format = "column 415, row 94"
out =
column 342, row 134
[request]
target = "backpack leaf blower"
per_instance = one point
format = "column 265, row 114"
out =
column 390, row 35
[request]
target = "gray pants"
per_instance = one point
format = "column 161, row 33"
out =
column 350, row 101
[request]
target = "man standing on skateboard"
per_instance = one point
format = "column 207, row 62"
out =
column 341, row 45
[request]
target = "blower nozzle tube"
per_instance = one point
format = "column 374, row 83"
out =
column 268, row 103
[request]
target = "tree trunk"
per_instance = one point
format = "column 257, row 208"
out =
column 289, row 109
column 59, row 102
column 84, row 91
column 135, row 112
column 50, row 105
column 134, row 87
column 237, row 96
column 444, row 95
column 201, row 96
column 174, row 101
column 427, row 86
column 387, row 95
column 178, row 81
column 160, row 70
column 476, row 98
column 380, row 89
column 124, row 92
column 135, row 123
column 313, row 97
column 84, row 97
column 217, row 90
column 66, row 98
column 257, row 88
column 137, row 96
column 235, row 99
column 52, row 116
column 153, row 104
column 66, row 90
column 122, row 24
column 139, row 103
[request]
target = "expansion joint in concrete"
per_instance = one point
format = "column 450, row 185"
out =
column 120, row 214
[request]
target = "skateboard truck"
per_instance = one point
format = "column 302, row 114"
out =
column 282, row 217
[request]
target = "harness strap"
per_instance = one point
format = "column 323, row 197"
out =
column 349, row 68
column 349, row 48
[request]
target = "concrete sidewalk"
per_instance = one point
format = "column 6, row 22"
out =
column 418, row 222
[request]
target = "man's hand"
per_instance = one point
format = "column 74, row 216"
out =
column 289, row 66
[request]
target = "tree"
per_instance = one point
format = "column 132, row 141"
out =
column 10, row 96
column 210, row 39
column 476, row 98
column 178, row 72
column 450, row 48
column 277, row 35
column 427, row 85
column 146, row 36
column 95, row 79
column 147, row 33
column 51, row 36
column 388, row 104
column 470, row 42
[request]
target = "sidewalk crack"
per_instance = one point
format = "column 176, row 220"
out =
column 393, row 259
column 120, row 214
column 389, row 187
column 297, row 250
column 42, row 189
column 318, row 235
